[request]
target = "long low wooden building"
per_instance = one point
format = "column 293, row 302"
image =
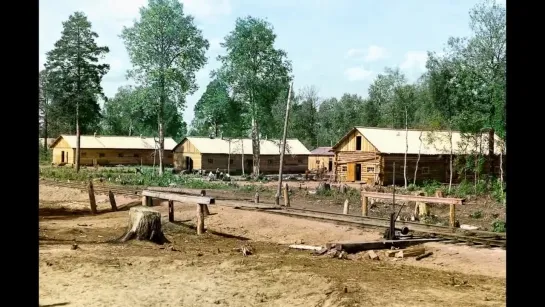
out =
column 368, row 155
column 110, row 150
column 227, row 155
column 321, row 157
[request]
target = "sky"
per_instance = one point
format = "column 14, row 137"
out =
column 337, row 46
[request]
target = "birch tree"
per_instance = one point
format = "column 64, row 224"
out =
column 166, row 50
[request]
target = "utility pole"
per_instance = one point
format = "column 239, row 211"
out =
column 279, row 189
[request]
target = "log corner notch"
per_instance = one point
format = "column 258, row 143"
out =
column 144, row 224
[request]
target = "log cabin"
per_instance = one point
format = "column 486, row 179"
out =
column 210, row 154
column 367, row 155
column 110, row 150
column 321, row 157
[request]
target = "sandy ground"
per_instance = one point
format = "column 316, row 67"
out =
column 206, row 271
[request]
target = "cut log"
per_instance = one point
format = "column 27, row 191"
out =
column 424, row 256
column 144, row 224
column 306, row 247
column 372, row 255
column 413, row 252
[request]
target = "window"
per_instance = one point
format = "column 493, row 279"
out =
column 425, row 170
column 370, row 169
column 101, row 155
column 269, row 161
column 121, row 155
column 210, row 161
column 317, row 161
column 231, row 161
column 344, row 168
column 358, row 143
column 136, row 155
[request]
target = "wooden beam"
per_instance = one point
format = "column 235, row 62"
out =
column 205, row 200
column 427, row 199
column 354, row 247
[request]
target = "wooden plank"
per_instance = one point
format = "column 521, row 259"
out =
column 306, row 247
column 205, row 200
column 427, row 199
column 354, row 247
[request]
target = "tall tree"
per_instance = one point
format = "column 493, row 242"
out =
column 44, row 98
column 382, row 97
column 304, row 117
column 218, row 112
column 166, row 50
column 75, row 71
column 256, row 72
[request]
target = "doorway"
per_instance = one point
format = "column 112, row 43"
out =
column 62, row 156
column 358, row 172
column 330, row 165
column 189, row 164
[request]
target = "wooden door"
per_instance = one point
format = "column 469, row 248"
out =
column 351, row 172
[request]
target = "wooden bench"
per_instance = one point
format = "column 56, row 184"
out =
column 201, row 201
column 453, row 202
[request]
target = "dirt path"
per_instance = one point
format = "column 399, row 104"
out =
column 206, row 271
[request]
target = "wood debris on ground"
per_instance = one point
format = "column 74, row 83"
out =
column 333, row 251
column 245, row 249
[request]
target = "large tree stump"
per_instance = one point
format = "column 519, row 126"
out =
column 206, row 212
column 144, row 224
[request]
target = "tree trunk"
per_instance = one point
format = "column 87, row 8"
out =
column 501, row 165
column 45, row 128
column 406, row 147
column 78, row 137
column 144, row 224
column 418, row 158
column 450, row 162
column 161, row 136
column 255, row 147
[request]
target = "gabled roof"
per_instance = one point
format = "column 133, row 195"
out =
column 322, row 151
column 114, row 142
column 206, row 145
column 392, row 141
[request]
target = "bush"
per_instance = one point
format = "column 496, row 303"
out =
column 498, row 226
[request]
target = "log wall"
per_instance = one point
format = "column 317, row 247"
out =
column 110, row 156
column 317, row 162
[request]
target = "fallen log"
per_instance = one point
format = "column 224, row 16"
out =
column 424, row 256
column 354, row 247
column 410, row 252
column 306, row 247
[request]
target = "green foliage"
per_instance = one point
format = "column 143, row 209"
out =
column 73, row 78
column 45, row 155
column 476, row 215
column 166, row 50
column 498, row 226
column 431, row 186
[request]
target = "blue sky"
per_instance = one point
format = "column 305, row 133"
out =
column 338, row 46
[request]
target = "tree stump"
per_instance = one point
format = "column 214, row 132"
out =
column 205, row 211
column 144, row 224
column 421, row 208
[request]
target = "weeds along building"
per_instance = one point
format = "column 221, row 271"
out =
column 368, row 155
column 110, row 150
column 228, row 155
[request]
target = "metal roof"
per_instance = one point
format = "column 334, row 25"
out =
column 115, row 142
column 322, row 151
column 267, row 147
column 392, row 141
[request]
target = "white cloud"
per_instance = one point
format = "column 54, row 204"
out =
column 414, row 61
column 371, row 54
column 357, row 74
column 215, row 46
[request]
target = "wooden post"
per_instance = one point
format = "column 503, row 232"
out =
column 256, row 198
column 112, row 201
column 171, row 211
column 147, row 201
column 92, row 200
column 278, row 190
column 200, row 219
column 346, row 207
column 286, row 196
column 364, row 205
column 452, row 215
column 206, row 212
